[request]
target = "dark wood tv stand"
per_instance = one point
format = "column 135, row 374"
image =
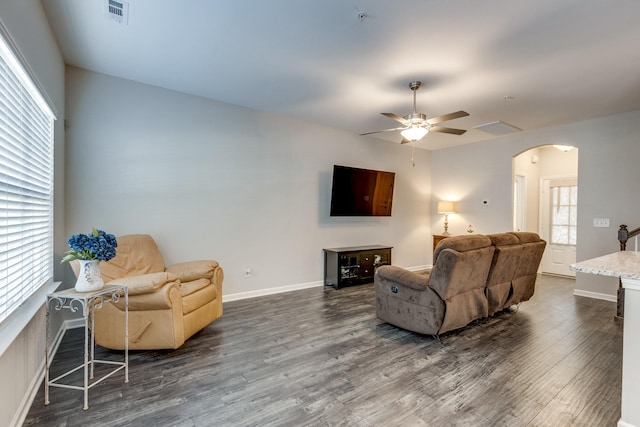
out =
column 353, row 265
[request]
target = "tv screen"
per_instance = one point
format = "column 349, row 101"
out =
column 361, row 192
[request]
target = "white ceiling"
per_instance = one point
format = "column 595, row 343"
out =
column 561, row 60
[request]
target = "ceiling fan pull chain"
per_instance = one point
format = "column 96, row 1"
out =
column 413, row 152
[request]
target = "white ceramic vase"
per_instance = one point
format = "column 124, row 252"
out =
column 89, row 278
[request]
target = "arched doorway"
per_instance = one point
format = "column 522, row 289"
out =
column 545, row 201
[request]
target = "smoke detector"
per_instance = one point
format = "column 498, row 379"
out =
column 117, row 11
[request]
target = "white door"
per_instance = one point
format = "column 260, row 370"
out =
column 558, row 223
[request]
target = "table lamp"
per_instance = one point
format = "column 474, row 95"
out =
column 446, row 207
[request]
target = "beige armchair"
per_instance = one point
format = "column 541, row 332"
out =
column 167, row 305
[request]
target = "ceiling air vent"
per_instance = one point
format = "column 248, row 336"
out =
column 498, row 128
column 117, row 11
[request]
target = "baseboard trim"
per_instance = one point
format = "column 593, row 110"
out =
column 38, row 379
column 624, row 424
column 73, row 323
column 270, row 291
column 595, row 295
column 296, row 287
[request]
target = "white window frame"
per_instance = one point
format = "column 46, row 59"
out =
column 26, row 116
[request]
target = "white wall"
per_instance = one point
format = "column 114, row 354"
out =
column 22, row 363
column 213, row 180
column 607, row 171
column 470, row 174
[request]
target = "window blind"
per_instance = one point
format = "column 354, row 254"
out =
column 26, row 185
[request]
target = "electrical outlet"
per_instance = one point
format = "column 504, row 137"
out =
column 246, row 271
column 601, row 222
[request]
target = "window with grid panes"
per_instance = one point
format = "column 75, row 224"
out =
column 564, row 214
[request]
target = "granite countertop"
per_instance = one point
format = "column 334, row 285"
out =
column 623, row 264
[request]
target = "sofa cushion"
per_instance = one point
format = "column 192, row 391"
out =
column 136, row 254
column 525, row 275
column 503, row 267
column 198, row 298
column 501, row 239
column 455, row 272
column 188, row 288
column 526, row 236
column 462, row 243
column 460, row 278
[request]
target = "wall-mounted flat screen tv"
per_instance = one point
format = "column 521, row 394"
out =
column 361, row 192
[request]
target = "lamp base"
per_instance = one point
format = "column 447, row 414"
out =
column 446, row 225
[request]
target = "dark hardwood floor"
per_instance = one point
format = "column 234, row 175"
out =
column 320, row 357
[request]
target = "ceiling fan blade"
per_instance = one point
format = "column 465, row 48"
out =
column 446, row 117
column 395, row 117
column 447, row 130
column 384, row 130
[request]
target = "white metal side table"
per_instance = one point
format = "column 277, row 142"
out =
column 88, row 302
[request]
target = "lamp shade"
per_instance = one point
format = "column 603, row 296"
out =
column 414, row 133
column 446, row 207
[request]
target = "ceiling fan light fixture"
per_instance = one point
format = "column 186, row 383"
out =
column 414, row 133
column 416, row 125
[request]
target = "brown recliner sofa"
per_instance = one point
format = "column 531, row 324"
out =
column 167, row 304
column 473, row 276
column 447, row 297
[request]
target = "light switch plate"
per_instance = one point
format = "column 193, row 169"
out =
column 601, row 222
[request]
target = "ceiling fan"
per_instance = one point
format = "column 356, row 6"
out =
column 416, row 125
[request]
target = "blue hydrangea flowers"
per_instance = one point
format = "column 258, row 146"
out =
column 96, row 245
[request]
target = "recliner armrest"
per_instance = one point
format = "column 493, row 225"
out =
column 401, row 276
column 146, row 283
column 193, row 270
column 153, row 291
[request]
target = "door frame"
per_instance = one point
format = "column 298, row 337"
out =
column 519, row 202
column 544, row 217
